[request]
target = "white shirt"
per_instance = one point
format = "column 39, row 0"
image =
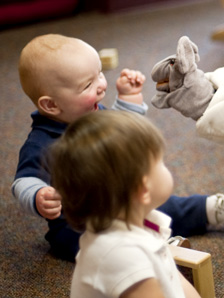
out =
column 111, row 261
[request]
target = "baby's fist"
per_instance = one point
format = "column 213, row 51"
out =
column 48, row 202
column 129, row 85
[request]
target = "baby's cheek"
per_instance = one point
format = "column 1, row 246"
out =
column 90, row 101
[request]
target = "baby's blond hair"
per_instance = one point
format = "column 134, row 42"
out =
column 39, row 59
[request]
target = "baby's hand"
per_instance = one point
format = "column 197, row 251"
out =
column 48, row 202
column 129, row 85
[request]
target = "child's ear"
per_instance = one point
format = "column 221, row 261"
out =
column 144, row 191
column 47, row 105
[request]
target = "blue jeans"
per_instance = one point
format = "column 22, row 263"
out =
column 188, row 218
column 188, row 214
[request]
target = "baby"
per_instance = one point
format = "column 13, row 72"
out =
column 63, row 78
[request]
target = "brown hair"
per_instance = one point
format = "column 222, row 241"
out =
column 99, row 163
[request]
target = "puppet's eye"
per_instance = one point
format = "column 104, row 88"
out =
column 172, row 61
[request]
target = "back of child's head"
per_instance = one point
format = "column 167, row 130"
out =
column 99, row 163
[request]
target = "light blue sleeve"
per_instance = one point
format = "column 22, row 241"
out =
column 25, row 189
column 129, row 106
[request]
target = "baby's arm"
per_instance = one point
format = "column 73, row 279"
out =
column 148, row 288
column 27, row 189
column 129, row 86
column 189, row 290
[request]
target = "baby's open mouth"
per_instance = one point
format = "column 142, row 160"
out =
column 95, row 106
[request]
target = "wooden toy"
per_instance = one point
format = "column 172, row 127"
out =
column 109, row 58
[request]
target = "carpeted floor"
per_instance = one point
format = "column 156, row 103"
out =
column 142, row 37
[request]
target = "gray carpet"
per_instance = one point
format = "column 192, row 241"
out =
column 142, row 37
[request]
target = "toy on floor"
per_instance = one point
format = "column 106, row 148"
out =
column 195, row 94
column 109, row 58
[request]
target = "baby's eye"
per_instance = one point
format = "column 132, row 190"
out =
column 87, row 86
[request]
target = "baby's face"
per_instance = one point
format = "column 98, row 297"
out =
column 79, row 82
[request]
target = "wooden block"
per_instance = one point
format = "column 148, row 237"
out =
column 109, row 58
column 201, row 265
column 218, row 33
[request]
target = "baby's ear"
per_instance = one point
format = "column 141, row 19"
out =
column 144, row 191
column 47, row 105
column 187, row 55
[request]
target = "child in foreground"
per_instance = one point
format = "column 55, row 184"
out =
column 118, row 156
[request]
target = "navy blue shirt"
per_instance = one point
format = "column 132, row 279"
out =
column 45, row 131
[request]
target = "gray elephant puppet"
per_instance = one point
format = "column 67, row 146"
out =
column 195, row 94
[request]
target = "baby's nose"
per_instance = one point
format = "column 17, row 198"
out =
column 100, row 90
column 102, row 86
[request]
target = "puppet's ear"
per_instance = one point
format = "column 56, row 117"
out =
column 47, row 105
column 187, row 55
